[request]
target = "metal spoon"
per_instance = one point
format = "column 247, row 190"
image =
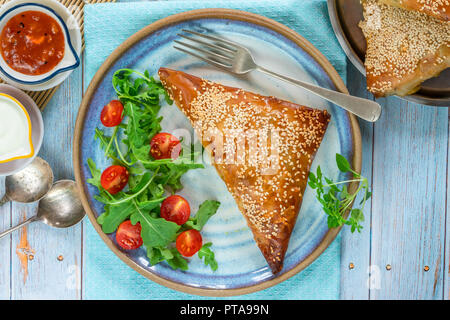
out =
column 61, row 207
column 29, row 184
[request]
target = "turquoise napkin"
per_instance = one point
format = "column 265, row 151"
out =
column 106, row 27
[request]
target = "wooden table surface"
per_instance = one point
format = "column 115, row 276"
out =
column 402, row 253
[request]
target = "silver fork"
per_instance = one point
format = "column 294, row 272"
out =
column 237, row 59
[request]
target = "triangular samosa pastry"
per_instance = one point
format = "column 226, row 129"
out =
column 404, row 48
column 262, row 148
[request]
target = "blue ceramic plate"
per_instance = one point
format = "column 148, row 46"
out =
column 242, row 268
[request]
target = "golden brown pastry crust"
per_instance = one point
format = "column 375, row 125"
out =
column 439, row 9
column 404, row 48
column 268, row 193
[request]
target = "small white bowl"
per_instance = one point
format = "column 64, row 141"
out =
column 72, row 35
column 37, row 129
column 25, row 144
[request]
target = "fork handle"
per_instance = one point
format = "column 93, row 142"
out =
column 365, row 109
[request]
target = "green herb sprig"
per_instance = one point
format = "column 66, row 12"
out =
column 336, row 199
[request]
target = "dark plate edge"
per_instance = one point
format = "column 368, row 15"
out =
column 356, row 61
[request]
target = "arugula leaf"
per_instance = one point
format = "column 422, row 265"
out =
column 171, row 256
column 145, row 182
column 96, row 174
column 172, row 173
column 106, row 142
column 136, row 135
column 177, row 261
column 158, row 254
column 115, row 215
column 141, row 90
column 149, row 205
column 156, row 232
column 102, row 137
column 208, row 254
column 206, row 210
column 103, row 196
column 336, row 200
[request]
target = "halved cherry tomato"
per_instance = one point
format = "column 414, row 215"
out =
column 112, row 114
column 165, row 146
column 128, row 236
column 176, row 209
column 114, row 179
column 189, row 242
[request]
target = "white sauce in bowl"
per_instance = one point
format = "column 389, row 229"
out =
column 15, row 130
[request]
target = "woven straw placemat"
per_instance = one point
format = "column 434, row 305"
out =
column 77, row 8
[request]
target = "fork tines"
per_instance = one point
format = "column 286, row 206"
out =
column 211, row 49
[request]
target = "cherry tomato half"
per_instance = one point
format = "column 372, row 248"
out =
column 189, row 242
column 128, row 236
column 176, row 209
column 112, row 114
column 114, row 179
column 165, row 146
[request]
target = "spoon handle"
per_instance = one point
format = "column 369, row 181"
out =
column 4, row 200
column 32, row 219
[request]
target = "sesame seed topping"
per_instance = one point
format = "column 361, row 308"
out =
column 404, row 48
column 437, row 8
column 260, row 146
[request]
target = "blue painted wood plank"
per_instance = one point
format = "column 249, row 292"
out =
column 446, row 290
column 5, row 247
column 355, row 248
column 48, row 277
column 408, row 205
column 408, row 210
